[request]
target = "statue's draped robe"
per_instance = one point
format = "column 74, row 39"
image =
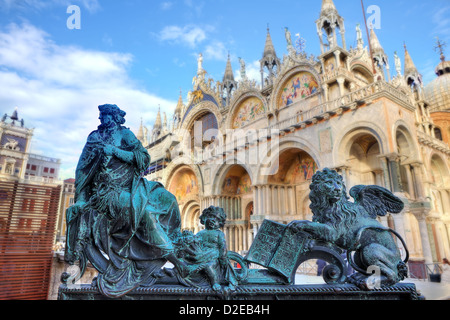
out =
column 129, row 224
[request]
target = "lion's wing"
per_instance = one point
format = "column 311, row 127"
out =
column 376, row 200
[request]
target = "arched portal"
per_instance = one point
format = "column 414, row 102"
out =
column 236, row 194
column 363, row 162
column 191, row 217
column 440, row 176
column 288, row 189
column 183, row 183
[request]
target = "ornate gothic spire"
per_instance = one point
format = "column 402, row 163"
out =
column 269, row 49
column 327, row 6
column 378, row 53
column 158, row 122
column 410, row 67
column 269, row 59
column 180, row 106
column 375, row 43
column 165, row 120
column 228, row 80
column 229, row 76
column 327, row 25
column 140, row 135
column 412, row 75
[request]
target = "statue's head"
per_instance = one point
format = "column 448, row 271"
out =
column 110, row 114
column 327, row 188
column 213, row 217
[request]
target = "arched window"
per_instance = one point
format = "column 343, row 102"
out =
column 438, row 133
column 202, row 125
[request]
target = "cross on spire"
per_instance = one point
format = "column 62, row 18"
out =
column 440, row 47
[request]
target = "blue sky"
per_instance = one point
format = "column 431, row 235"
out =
column 139, row 54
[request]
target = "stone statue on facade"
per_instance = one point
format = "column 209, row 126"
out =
column 243, row 72
column 290, row 46
column 200, row 64
column 398, row 64
column 359, row 37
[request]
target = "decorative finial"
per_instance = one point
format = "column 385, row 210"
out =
column 440, row 47
column 300, row 44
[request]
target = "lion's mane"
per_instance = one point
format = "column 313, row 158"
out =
column 338, row 215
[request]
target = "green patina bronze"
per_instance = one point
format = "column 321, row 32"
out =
column 353, row 227
column 128, row 228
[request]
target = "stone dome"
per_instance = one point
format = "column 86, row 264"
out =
column 437, row 92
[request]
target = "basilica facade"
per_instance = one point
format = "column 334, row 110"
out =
column 253, row 148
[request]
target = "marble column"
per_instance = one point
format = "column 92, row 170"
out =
column 337, row 53
column 341, row 81
column 256, row 197
column 443, row 238
column 292, row 206
column 344, row 43
column 280, row 200
column 286, row 201
column 445, row 201
column 387, row 176
column 255, row 230
column 399, row 223
column 268, row 195
column 424, row 236
column 410, row 182
column 418, row 177
column 236, row 238
column 394, row 172
column 325, row 92
column 322, row 49
column 262, row 201
column 384, row 221
column 273, row 200
column 239, row 208
column 447, row 229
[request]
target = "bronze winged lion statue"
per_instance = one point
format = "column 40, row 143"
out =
column 353, row 226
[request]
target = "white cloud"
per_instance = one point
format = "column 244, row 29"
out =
column 90, row 5
column 190, row 35
column 166, row 5
column 441, row 19
column 216, row 51
column 58, row 88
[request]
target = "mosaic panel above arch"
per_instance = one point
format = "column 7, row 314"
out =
column 294, row 167
column 183, row 184
column 237, row 181
column 248, row 111
column 298, row 87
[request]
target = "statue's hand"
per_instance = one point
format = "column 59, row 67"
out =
column 79, row 206
column 109, row 150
